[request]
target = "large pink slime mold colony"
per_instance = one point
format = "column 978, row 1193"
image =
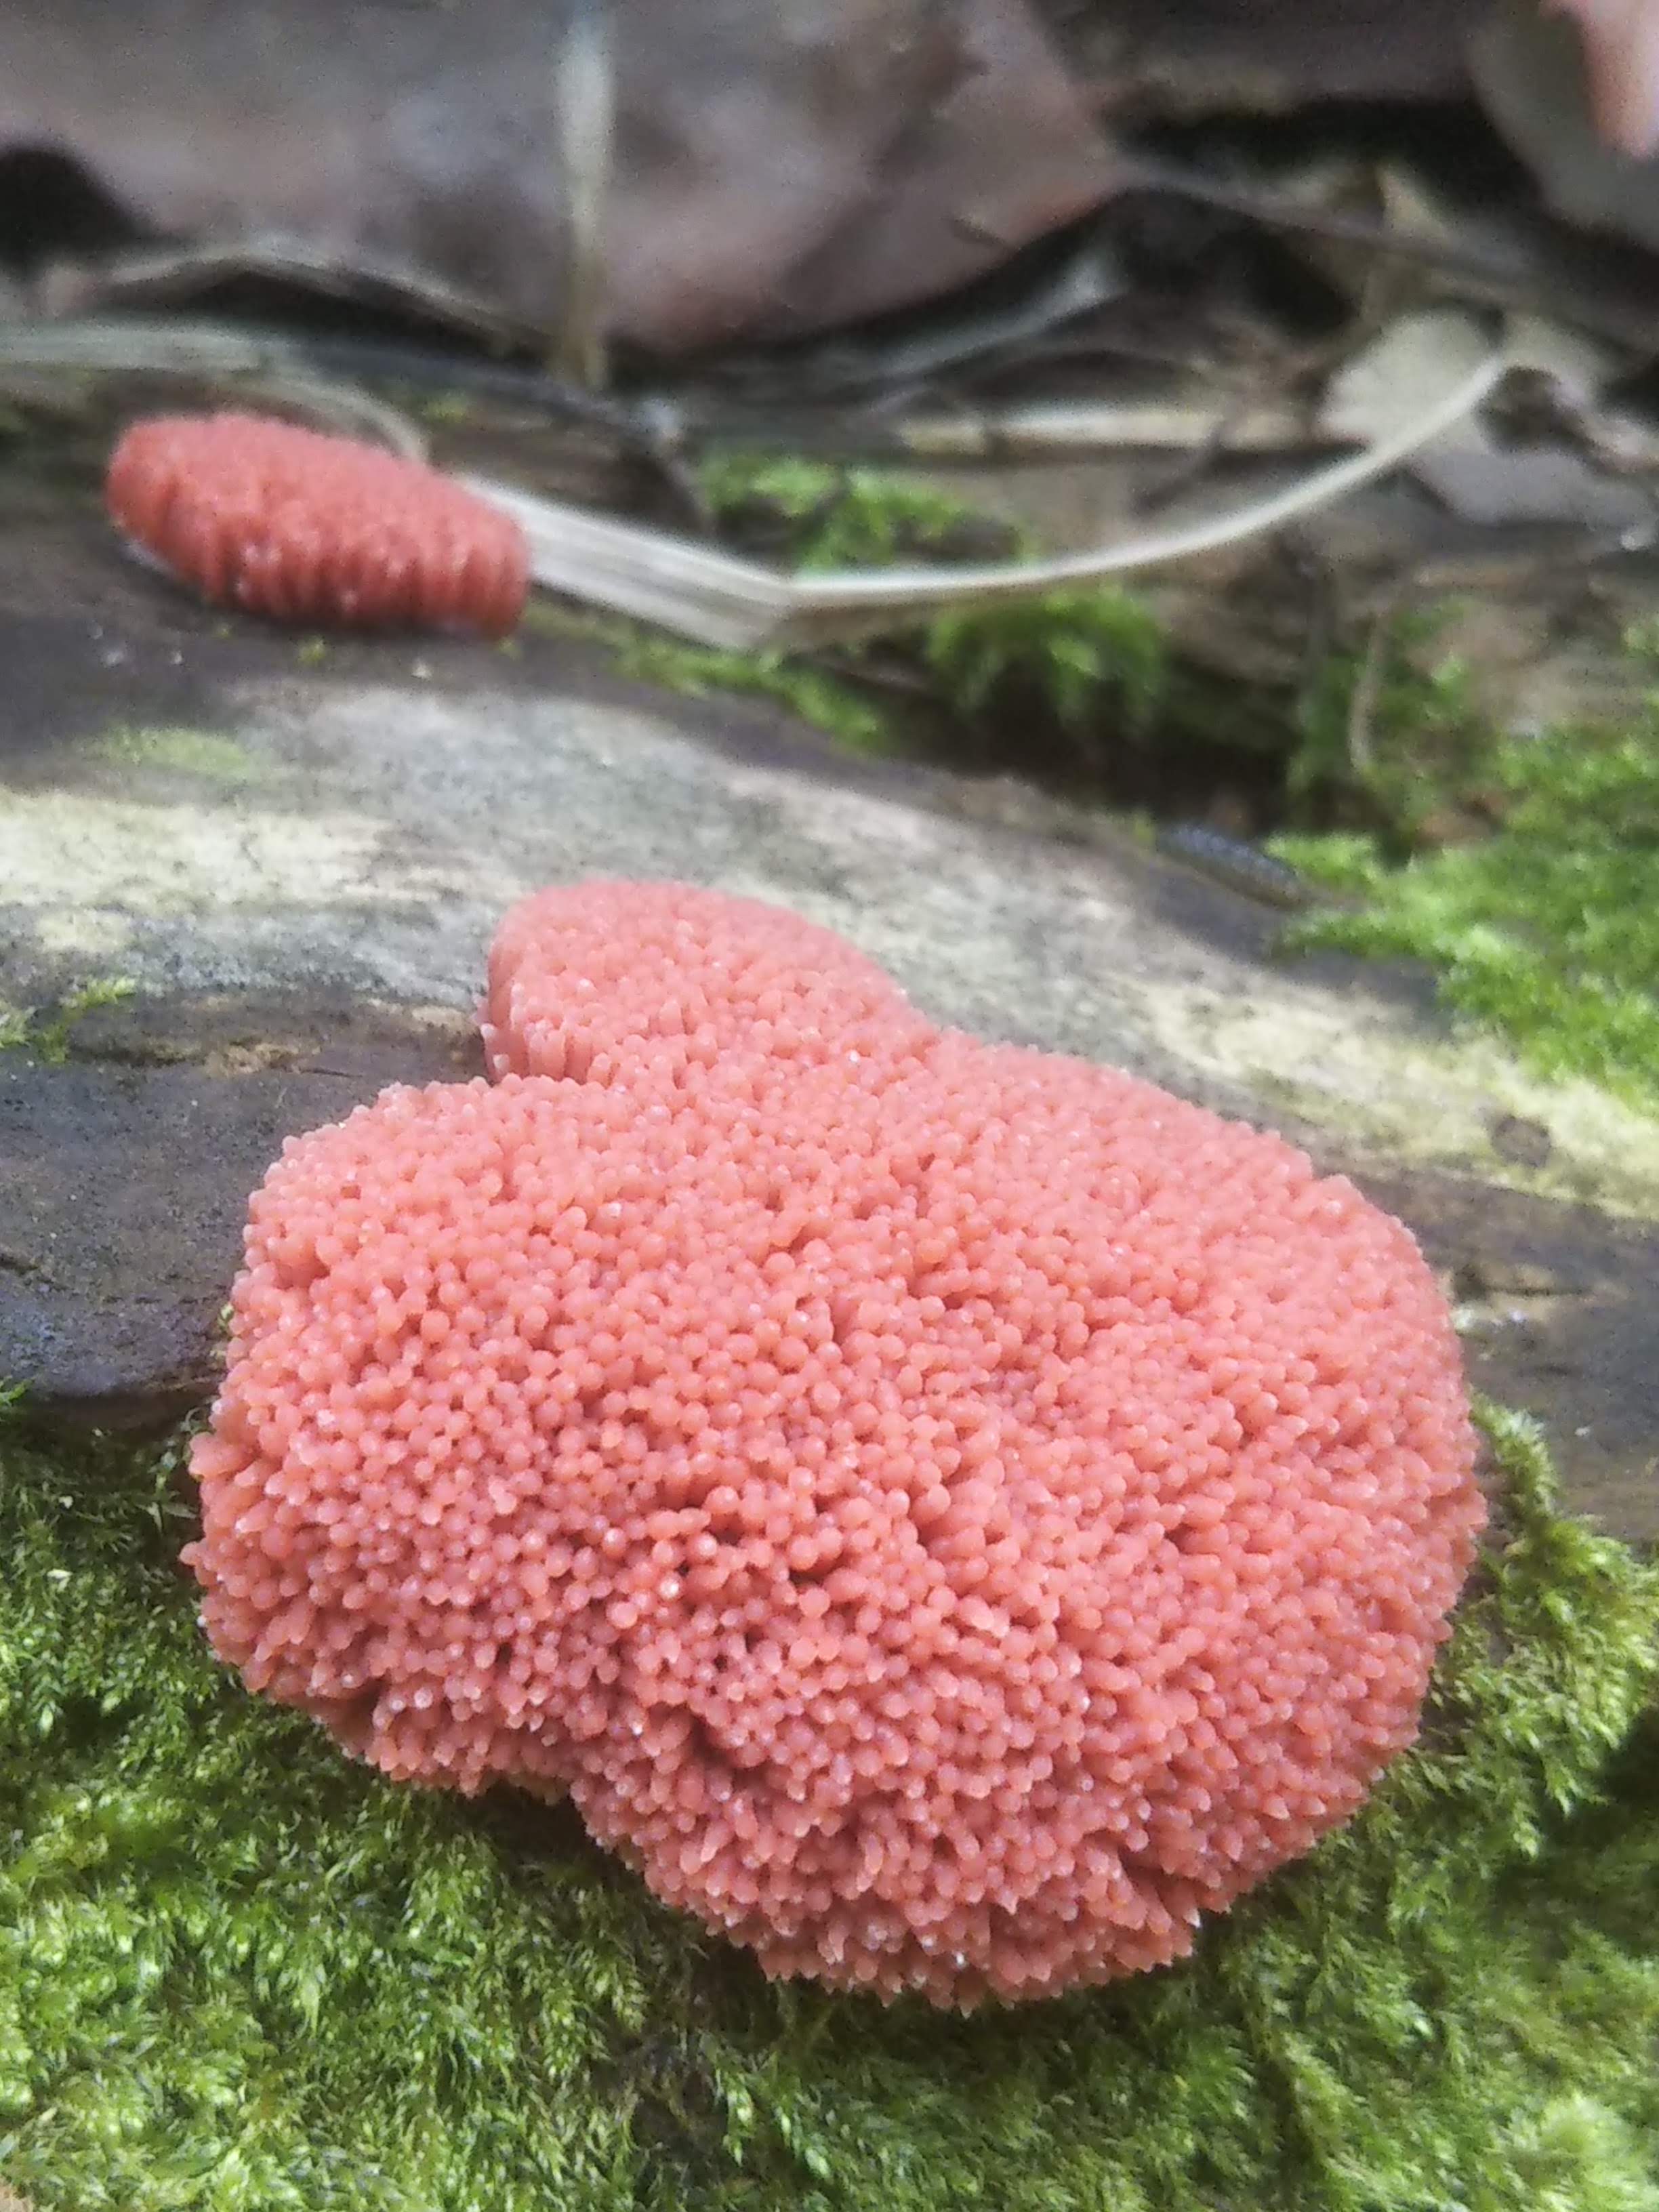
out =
column 949, row 1516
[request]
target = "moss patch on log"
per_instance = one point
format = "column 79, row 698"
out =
column 237, row 1971
column 45, row 1033
column 1547, row 931
column 1082, row 661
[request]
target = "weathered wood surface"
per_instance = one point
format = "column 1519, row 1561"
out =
column 295, row 863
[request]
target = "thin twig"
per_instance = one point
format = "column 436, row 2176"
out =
column 585, row 107
column 1364, row 699
column 1451, row 575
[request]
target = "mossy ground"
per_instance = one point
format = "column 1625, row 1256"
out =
column 47, row 1034
column 1542, row 920
column 1547, row 929
column 238, row 1972
column 175, row 746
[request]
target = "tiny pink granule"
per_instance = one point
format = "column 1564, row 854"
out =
column 950, row 1516
column 304, row 528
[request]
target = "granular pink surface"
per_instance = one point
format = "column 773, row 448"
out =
column 952, row 1515
column 589, row 979
column 302, row 527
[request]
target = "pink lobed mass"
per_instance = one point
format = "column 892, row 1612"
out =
column 952, row 1515
column 302, row 527
column 588, row 978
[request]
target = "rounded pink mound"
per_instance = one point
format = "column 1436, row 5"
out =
column 593, row 979
column 302, row 527
column 950, row 1518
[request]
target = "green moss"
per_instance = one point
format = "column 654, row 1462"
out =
column 236, row 1972
column 1076, row 651
column 1079, row 651
column 815, row 694
column 47, row 1035
column 1546, row 932
column 1080, row 657
column 446, row 411
column 1424, row 741
column 842, row 518
column 192, row 752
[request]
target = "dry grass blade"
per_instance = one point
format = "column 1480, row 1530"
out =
column 1046, row 428
column 718, row 599
column 265, row 369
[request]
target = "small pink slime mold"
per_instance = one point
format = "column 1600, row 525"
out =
column 301, row 528
column 950, row 1516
